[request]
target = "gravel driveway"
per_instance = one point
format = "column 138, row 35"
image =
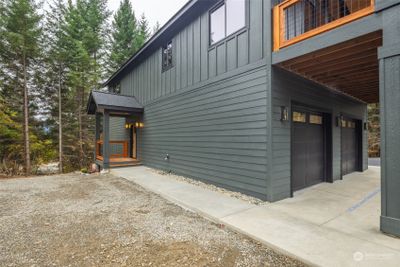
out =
column 76, row 220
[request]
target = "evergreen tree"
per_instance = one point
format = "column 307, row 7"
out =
column 95, row 15
column 144, row 32
column 56, row 71
column 156, row 28
column 374, row 136
column 123, row 36
column 21, row 45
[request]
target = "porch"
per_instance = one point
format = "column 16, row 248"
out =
column 118, row 121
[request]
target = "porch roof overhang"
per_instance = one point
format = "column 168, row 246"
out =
column 100, row 101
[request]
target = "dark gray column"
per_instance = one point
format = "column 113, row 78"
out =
column 389, row 67
column 106, row 140
column 97, row 133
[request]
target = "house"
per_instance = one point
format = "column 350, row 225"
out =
column 262, row 97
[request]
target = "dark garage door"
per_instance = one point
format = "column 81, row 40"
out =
column 349, row 146
column 307, row 149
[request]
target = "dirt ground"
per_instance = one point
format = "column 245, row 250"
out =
column 77, row 220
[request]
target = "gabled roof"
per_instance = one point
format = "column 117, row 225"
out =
column 99, row 100
column 189, row 12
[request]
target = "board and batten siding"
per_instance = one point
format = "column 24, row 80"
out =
column 288, row 88
column 195, row 61
column 216, row 133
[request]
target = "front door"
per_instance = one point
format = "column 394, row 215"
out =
column 308, row 152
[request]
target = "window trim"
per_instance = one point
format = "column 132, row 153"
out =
column 233, row 34
column 164, row 69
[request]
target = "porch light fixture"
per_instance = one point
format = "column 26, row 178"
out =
column 339, row 121
column 139, row 125
column 284, row 113
column 365, row 126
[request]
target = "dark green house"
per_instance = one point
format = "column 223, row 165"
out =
column 260, row 96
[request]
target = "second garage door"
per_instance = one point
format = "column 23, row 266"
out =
column 308, row 156
column 350, row 146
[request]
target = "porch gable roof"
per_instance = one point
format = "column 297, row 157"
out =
column 99, row 100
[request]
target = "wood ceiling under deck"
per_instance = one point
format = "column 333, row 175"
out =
column 351, row 67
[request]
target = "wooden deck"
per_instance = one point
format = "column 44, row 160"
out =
column 121, row 161
column 315, row 18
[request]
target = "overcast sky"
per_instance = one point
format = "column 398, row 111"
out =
column 155, row 10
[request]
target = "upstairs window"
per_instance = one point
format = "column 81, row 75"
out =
column 167, row 57
column 226, row 19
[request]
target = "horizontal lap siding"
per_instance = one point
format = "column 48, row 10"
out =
column 287, row 87
column 209, row 111
column 216, row 133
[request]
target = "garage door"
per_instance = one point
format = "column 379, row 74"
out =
column 307, row 149
column 349, row 146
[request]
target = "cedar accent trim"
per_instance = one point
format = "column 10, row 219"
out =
column 124, row 144
column 279, row 24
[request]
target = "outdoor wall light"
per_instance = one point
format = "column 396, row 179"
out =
column 139, row 125
column 365, row 126
column 284, row 113
column 339, row 121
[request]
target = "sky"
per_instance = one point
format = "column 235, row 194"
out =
column 154, row 10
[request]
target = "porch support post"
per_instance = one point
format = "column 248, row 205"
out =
column 97, row 134
column 106, row 140
column 389, row 68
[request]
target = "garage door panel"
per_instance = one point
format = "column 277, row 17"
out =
column 300, row 165
column 349, row 146
column 308, row 150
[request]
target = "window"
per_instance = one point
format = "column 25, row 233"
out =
column 227, row 19
column 299, row 116
column 315, row 119
column 167, row 57
column 116, row 89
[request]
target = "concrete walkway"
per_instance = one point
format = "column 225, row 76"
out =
column 326, row 225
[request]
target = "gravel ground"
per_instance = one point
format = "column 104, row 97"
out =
column 249, row 199
column 102, row 220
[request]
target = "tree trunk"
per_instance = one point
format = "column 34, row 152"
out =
column 26, row 120
column 81, row 153
column 60, row 127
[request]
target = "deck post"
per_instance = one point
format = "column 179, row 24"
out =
column 389, row 69
column 97, row 134
column 106, row 139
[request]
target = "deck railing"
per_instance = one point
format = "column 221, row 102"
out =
column 297, row 20
column 118, row 149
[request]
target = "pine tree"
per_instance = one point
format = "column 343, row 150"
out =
column 56, row 69
column 123, row 36
column 86, row 23
column 144, row 32
column 21, row 38
column 95, row 14
column 374, row 138
column 156, row 28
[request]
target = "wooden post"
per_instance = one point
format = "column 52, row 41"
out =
column 106, row 140
column 96, row 135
